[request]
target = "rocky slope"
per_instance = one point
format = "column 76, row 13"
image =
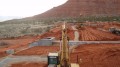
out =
column 76, row 8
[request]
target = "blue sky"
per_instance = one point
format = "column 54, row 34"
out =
column 25, row 8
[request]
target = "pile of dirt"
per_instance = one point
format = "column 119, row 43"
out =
column 27, row 64
column 38, row 50
column 2, row 54
column 57, row 33
column 70, row 34
column 4, row 44
column 97, row 55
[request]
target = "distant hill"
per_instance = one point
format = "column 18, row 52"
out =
column 76, row 8
column 4, row 18
column 92, row 10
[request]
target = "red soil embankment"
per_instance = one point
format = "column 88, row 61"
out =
column 57, row 33
column 39, row 50
column 97, row 55
column 2, row 54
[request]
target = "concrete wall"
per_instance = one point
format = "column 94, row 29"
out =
column 89, row 42
column 43, row 42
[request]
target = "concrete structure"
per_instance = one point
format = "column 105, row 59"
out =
column 43, row 42
column 10, row 51
column 88, row 42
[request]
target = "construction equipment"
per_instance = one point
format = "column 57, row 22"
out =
column 62, row 58
column 114, row 30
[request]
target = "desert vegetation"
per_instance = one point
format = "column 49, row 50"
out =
column 24, row 28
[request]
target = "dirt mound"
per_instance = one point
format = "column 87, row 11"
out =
column 56, row 32
column 2, row 54
column 97, row 55
column 26, row 64
column 39, row 50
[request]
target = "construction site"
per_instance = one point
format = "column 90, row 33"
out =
column 90, row 45
column 80, row 33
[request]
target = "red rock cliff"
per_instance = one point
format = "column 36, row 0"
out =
column 75, row 8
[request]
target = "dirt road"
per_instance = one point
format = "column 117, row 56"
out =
column 17, row 59
column 76, row 33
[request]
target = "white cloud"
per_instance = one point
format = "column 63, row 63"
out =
column 26, row 7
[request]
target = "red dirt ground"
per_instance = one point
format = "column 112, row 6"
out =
column 91, row 55
column 91, row 34
column 16, row 43
column 108, row 25
column 39, row 50
column 97, row 55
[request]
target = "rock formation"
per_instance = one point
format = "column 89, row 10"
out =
column 76, row 8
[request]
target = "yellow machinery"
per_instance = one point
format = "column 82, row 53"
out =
column 64, row 51
column 61, row 59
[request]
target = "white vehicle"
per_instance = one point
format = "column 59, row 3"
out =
column 114, row 30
